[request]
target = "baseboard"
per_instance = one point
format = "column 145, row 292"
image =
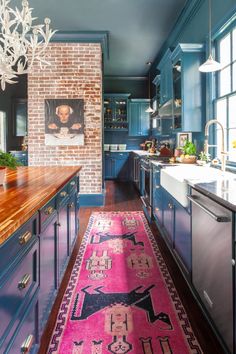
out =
column 91, row 200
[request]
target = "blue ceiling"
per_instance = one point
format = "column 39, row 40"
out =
column 137, row 28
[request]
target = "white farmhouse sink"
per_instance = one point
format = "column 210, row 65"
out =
column 174, row 179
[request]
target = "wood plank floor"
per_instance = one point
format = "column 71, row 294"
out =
column 124, row 197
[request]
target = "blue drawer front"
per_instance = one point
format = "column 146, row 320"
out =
column 47, row 271
column 16, row 288
column 47, row 212
column 18, row 243
column 26, row 330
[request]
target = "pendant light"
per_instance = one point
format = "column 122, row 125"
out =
column 210, row 65
column 149, row 109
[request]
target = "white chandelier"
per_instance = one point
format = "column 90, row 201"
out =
column 21, row 42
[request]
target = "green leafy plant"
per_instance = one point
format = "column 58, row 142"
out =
column 189, row 148
column 8, row 160
column 204, row 157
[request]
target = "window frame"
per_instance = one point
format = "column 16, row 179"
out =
column 226, row 27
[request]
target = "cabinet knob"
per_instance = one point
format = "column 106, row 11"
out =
column 49, row 210
column 23, row 239
column 63, row 194
column 157, row 209
column 71, row 205
column 170, row 206
column 157, row 187
column 27, row 344
column 72, row 183
column 233, row 262
column 24, row 282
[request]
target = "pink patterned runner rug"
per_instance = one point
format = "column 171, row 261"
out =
column 120, row 298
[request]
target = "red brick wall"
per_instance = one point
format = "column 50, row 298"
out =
column 75, row 73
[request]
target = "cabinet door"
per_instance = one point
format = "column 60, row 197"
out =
column 144, row 119
column 182, row 242
column 62, row 240
column 122, row 166
column 73, row 221
column 134, row 122
column 48, row 268
column 157, row 196
column 168, row 216
column 110, row 168
column 26, row 338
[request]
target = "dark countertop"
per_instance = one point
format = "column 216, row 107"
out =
column 222, row 190
column 26, row 190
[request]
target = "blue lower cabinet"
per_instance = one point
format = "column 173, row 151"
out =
column 17, row 286
column 47, row 290
column 62, row 240
column 157, row 205
column 117, row 166
column 168, row 216
column 72, row 221
column 26, row 338
column 182, row 240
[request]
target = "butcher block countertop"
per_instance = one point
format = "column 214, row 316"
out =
column 26, row 190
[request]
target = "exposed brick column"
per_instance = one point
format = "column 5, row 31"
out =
column 75, row 72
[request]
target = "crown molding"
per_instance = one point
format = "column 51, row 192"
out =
column 101, row 37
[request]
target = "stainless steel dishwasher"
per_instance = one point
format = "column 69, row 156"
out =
column 212, row 272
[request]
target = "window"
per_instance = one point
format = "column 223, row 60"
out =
column 225, row 102
column 2, row 131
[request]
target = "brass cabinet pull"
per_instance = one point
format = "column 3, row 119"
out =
column 157, row 209
column 24, row 282
column 71, row 205
column 72, row 183
column 157, row 187
column 27, row 344
column 23, row 239
column 63, row 194
column 170, row 206
column 49, row 210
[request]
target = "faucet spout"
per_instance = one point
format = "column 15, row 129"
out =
column 206, row 147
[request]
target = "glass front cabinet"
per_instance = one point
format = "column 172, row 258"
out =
column 188, row 102
column 116, row 112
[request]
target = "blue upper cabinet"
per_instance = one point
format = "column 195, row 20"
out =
column 188, row 103
column 139, row 119
column 116, row 112
column 166, row 81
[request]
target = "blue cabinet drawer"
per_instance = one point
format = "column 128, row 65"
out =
column 46, row 213
column 25, row 337
column 18, row 243
column 62, row 196
column 72, row 185
column 16, row 287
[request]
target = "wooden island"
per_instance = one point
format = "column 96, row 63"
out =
column 38, row 229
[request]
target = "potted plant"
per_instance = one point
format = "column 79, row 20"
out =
column 203, row 158
column 189, row 152
column 7, row 160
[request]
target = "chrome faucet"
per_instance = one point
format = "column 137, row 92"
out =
column 223, row 152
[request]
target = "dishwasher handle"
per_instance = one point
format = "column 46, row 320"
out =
column 218, row 218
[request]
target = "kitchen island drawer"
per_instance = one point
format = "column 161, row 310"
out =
column 16, row 287
column 46, row 213
column 25, row 338
column 18, row 243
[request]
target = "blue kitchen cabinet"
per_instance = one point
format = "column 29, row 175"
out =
column 19, row 282
column 110, row 168
column 116, row 112
column 47, row 292
column 168, row 216
column 188, row 95
column 117, row 165
column 182, row 240
column 25, row 338
column 157, row 196
column 62, row 237
column 166, row 81
column 139, row 119
column 72, row 221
